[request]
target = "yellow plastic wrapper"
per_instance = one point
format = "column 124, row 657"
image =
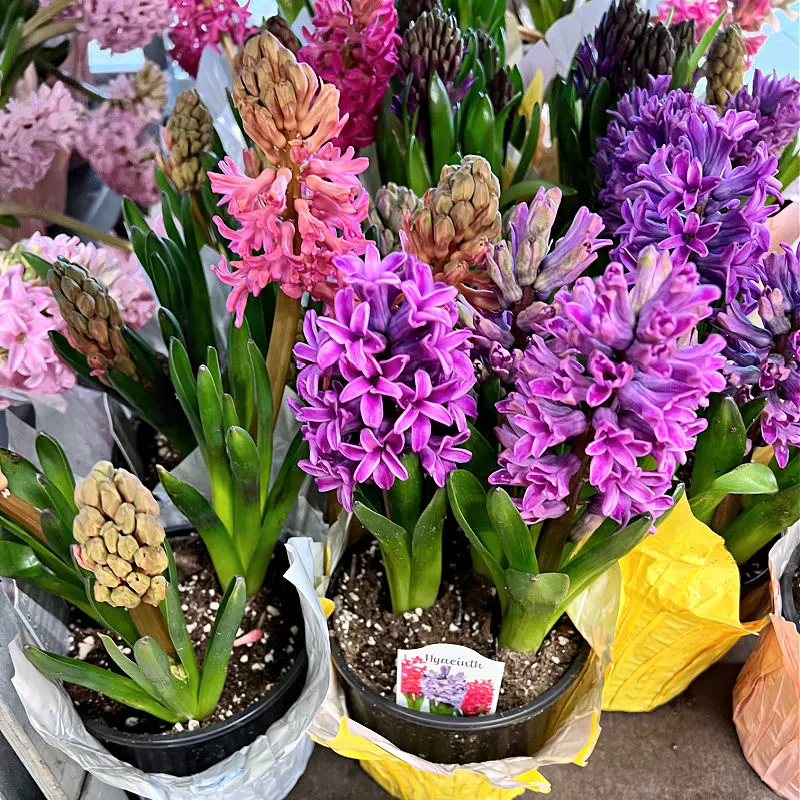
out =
column 571, row 741
column 766, row 698
column 680, row 613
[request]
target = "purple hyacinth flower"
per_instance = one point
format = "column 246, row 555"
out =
column 442, row 685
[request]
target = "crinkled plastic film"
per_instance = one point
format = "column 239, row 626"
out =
column 572, row 738
column 269, row 767
column 680, row 613
column 766, row 698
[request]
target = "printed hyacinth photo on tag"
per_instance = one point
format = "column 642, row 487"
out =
column 448, row 680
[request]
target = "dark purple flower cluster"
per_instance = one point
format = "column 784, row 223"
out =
column 442, row 685
column 775, row 103
column 385, row 375
column 764, row 360
column 611, row 377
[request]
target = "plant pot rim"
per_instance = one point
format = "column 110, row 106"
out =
column 182, row 739
column 480, row 722
column 789, row 611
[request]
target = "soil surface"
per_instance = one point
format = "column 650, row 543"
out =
column 254, row 668
column 369, row 635
column 155, row 448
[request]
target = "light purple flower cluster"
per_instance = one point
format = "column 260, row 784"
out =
column 764, row 360
column 385, row 375
column 442, row 685
column 775, row 102
column 612, row 380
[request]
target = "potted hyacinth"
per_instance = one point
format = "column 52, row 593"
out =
column 160, row 624
column 504, row 448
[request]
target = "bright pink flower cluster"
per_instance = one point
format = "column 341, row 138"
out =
column 32, row 131
column 411, row 672
column 199, row 24
column 28, row 363
column 478, row 698
column 354, row 47
column 122, row 25
column 328, row 205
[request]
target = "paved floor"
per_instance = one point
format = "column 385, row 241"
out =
column 686, row 750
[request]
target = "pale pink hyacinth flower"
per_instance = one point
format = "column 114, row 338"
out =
column 121, row 272
column 199, row 24
column 307, row 205
column 354, row 47
column 122, row 25
column 28, row 363
column 32, row 131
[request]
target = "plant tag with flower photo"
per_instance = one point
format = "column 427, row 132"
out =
column 448, row 680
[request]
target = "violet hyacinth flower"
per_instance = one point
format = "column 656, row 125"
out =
column 385, row 375
column 442, row 685
column 764, row 362
column 689, row 197
column 611, row 376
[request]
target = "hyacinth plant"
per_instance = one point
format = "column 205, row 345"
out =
column 100, row 546
column 384, row 399
column 300, row 203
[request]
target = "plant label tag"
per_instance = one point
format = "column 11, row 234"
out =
column 448, row 680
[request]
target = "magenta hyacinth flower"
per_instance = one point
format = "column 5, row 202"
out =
column 764, row 360
column 611, row 374
column 385, row 375
column 353, row 45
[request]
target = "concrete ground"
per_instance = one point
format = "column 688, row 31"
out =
column 685, row 750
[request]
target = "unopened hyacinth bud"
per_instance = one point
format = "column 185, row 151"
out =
column 532, row 224
column 683, row 35
column 458, row 218
column 392, row 204
column 150, row 83
column 120, row 538
column 280, row 29
column 655, row 54
column 433, row 43
column 409, row 11
column 189, row 133
column 93, row 320
column 725, row 65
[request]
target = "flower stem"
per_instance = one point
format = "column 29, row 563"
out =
column 281, row 342
column 150, row 622
column 90, row 91
column 59, row 28
column 228, row 46
column 45, row 14
column 23, row 513
column 55, row 218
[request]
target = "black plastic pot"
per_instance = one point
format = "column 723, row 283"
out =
column 755, row 572
column 190, row 752
column 452, row 740
column 790, row 610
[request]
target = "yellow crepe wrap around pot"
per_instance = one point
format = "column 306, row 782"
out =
column 571, row 738
column 680, row 613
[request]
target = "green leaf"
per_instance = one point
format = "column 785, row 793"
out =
column 752, row 411
column 240, row 372
column 426, row 552
column 230, row 418
column 119, row 688
column 263, row 400
column 246, row 470
column 721, row 446
column 37, row 264
column 443, row 143
column 212, row 362
column 19, row 562
column 77, row 361
column 704, row 44
column 57, row 469
column 214, row 534
column 220, row 644
column 9, row 221
column 290, row 9
column 395, row 546
column 173, row 691
column 539, row 595
column 484, row 458
column 180, row 371
column 419, row 173
column 511, row 530
column 478, row 136
column 22, row 479
column 176, row 624
column 529, row 148
column 525, row 191
column 170, row 327
column 405, row 497
column 789, row 475
column 598, row 115
column 130, row 667
column 60, row 534
column 745, row 479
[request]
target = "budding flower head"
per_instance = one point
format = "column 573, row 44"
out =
column 120, row 538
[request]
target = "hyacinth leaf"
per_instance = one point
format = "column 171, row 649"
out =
column 441, row 119
column 133, row 217
column 419, row 173
column 60, row 516
column 230, row 417
column 478, row 134
column 393, row 541
column 759, row 524
column 290, row 9
column 704, row 44
column 526, row 191
column 426, row 552
column 9, row 221
column 43, row 552
column 176, row 624
column 214, row 534
column 468, row 502
column 183, row 381
column 502, row 117
column 22, row 479
column 512, row 531
column 146, row 359
column 170, row 327
column 598, row 117
column 12, row 37
column 752, row 411
column 535, row 606
column 721, row 446
column 246, row 470
column 215, row 665
column 37, row 264
column 790, row 474
column 240, row 373
column 117, row 687
column 602, row 550
column 751, row 478
column 263, row 402
column 405, row 497
column 129, row 667
column 212, row 362
column 77, row 361
column 173, row 691
column 484, row 457
column 390, row 155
